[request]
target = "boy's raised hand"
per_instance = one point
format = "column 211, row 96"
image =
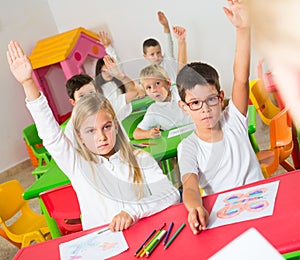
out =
column 163, row 21
column 237, row 13
column 19, row 63
column 179, row 32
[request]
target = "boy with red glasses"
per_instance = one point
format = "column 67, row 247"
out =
column 218, row 155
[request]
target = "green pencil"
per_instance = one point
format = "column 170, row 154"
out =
column 175, row 235
column 158, row 239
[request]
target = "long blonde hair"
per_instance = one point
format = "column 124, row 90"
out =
column 89, row 105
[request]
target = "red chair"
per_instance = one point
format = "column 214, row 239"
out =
column 62, row 205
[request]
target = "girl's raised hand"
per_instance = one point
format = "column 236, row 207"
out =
column 104, row 39
column 237, row 13
column 112, row 67
column 19, row 63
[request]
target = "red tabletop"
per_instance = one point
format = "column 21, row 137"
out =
column 282, row 229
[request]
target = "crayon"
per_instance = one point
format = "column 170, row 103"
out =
column 168, row 233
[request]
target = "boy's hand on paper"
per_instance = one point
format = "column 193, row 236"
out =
column 120, row 222
column 155, row 132
column 198, row 219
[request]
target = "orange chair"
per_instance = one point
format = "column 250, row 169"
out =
column 281, row 145
column 261, row 99
column 20, row 224
column 62, row 205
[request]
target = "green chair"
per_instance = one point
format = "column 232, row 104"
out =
column 141, row 103
column 35, row 143
column 252, row 127
column 292, row 255
column 63, row 125
column 130, row 123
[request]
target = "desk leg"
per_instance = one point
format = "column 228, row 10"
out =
column 254, row 143
column 168, row 169
column 296, row 152
column 54, row 230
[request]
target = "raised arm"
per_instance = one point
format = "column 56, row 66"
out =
column 180, row 34
column 132, row 88
column 169, row 42
column 105, row 40
column 21, row 68
column 238, row 16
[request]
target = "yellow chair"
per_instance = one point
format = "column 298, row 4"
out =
column 261, row 99
column 281, row 145
column 21, row 225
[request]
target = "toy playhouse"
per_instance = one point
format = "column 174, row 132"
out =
column 57, row 58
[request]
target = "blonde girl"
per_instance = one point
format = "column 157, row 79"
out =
column 115, row 184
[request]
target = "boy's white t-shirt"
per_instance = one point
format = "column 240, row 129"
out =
column 222, row 165
column 165, row 115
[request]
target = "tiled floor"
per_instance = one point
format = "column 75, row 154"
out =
column 23, row 174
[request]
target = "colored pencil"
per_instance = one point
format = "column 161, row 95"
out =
column 175, row 235
column 168, row 233
column 156, row 242
column 147, row 239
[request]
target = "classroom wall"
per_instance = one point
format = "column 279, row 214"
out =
column 25, row 21
column 210, row 38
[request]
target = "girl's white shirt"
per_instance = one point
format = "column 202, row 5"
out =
column 105, row 188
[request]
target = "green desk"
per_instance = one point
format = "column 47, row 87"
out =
column 141, row 103
column 163, row 148
column 53, row 178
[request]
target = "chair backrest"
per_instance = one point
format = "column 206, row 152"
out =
column 31, row 135
column 19, row 222
column 130, row 123
column 62, row 205
column 35, row 143
column 11, row 200
column 281, row 130
column 261, row 99
column 64, row 124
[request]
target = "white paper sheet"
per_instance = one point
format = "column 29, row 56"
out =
column 244, row 204
column 181, row 130
column 248, row 246
column 94, row 246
